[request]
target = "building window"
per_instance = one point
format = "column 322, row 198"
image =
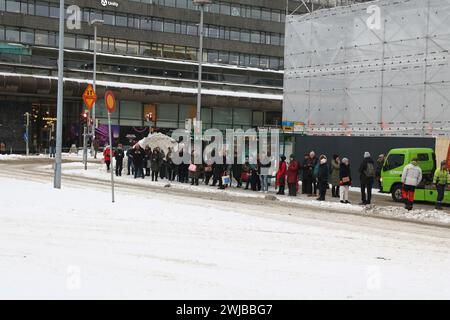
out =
column 225, row 8
column 157, row 25
column 69, row 41
column 82, row 42
column 242, row 117
column 256, row 13
column 133, row 47
column 235, row 34
column 169, row 26
column 213, row 56
column 235, row 11
column 258, row 119
column 2, row 33
column 192, row 29
column 54, row 11
column 42, row 9
column 255, row 37
column 265, row 15
column 130, row 110
column 108, row 18
column 245, row 36
column 167, row 115
column 234, row 58
column 27, row 36
column 12, row 35
column 213, row 32
column 13, row 6
column 121, row 21
column 121, row 46
column 222, row 118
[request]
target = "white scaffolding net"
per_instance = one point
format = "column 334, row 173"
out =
column 376, row 68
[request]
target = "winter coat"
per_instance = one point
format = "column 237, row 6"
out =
column 107, row 154
column 119, row 155
column 344, row 172
column 281, row 174
column 156, row 160
column 412, row 175
column 379, row 168
column 130, row 153
column 236, row 169
column 334, row 172
column 362, row 169
column 138, row 157
column 52, row 143
column 197, row 173
column 322, row 176
column 441, row 177
column 292, row 172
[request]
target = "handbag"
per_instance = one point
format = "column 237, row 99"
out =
column 244, row 176
column 346, row 179
column 192, row 168
column 226, row 180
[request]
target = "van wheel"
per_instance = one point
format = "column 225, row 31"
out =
column 397, row 193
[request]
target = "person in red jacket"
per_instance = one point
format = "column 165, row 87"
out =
column 292, row 176
column 281, row 175
column 107, row 157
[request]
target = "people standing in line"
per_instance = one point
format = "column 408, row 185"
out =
column 367, row 178
column 156, row 160
column 130, row 165
column 305, row 174
column 281, row 176
column 163, row 167
column 379, row 169
column 441, row 180
column 411, row 177
column 107, row 157
column 170, row 166
column 119, row 155
column 309, row 174
column 147, row 160
column 208, row 173
column 236, row 169
column 138, row 160
column 195, row 170
column 316, row 165
column 292, row 176
column 334, row 175
column 345, row 180
column 255, row 181
column 264, row 173
column 52, row 147
column 217, row 174
column 246, row 173
column 322, row 178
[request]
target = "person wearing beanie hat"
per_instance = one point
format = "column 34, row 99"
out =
column 411, row 177
column 441, row 180
column 367, row 178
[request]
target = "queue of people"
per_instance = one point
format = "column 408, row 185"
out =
column 317, row 174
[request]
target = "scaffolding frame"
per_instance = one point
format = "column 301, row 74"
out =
column 343, row 77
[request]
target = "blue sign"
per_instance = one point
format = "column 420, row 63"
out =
column 25, row 136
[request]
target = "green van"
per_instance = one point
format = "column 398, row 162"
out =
column 391, row 174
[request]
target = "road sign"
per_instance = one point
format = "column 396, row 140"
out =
column 110, row 101
column 25, row 136
column 89, row 96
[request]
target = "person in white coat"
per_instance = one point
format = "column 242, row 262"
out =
column 411, row 177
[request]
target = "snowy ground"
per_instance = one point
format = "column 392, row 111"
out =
column 429, row 215
column 74, row 243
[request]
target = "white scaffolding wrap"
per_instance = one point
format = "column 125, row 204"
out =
column 376, row 68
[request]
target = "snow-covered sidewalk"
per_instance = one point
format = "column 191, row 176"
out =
column 98, row 171
column 74, row 243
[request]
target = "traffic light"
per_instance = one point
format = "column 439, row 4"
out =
column 85, row 115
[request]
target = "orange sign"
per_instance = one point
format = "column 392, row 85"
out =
column 89, row 96
column 110, row 101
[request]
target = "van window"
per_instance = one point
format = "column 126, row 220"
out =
column 423, row 157
column 394, row 161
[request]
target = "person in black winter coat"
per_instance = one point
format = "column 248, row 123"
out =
column 367, row 178
column 138, row 160
column 322, row 178
column 119, row 154
column 236, row 168
column 130, row 165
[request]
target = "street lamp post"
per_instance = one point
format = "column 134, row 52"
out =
column 202, row 4
column 59, row 112
column 94, row 23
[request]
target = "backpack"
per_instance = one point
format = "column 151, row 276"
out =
column 370, row 170
column 316, row 170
